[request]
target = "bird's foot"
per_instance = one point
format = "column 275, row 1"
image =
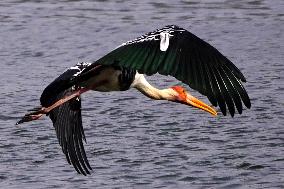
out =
column 36, row 114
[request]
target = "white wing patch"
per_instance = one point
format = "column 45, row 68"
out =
column 165, row 41
column 80, row 66
column 164, row 34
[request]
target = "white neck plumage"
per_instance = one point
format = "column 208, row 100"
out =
column 144, row 87
column 175, row 94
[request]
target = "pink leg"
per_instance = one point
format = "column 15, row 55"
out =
column 44, row 110
column 63, row 100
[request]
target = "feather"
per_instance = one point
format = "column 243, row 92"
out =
column 187, row 58
column 67, row 119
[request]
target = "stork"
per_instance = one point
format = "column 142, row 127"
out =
column 170, row 50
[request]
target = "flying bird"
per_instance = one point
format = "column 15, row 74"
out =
column 170, row 50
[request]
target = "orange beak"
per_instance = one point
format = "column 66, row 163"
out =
column 199, row 104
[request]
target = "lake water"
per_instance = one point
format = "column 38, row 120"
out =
column 135, row 142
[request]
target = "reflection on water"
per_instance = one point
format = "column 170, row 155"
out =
column 131, row 143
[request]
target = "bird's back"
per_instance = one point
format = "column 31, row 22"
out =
column 107, row 78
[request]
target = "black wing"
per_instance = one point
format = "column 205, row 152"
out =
column 67, row 119
column 187, row 58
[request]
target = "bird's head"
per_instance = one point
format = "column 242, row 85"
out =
column 181, row 96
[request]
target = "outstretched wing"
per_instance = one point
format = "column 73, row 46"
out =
column 67, row 119
column 177, row 52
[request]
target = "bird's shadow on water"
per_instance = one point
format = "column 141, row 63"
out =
column 249, row 166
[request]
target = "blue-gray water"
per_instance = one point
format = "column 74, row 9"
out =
column 134, row 142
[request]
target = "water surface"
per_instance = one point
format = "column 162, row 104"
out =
column 135, row 142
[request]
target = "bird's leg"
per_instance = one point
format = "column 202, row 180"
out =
column 44, row 110
column 63, row 100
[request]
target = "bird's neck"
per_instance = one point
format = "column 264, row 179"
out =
column 141, row 84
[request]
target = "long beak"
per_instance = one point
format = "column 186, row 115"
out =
column 199, row 104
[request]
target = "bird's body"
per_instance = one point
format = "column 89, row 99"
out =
column 169, row 51
column 113, row 78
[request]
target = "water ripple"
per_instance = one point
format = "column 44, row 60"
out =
column 134, row 142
